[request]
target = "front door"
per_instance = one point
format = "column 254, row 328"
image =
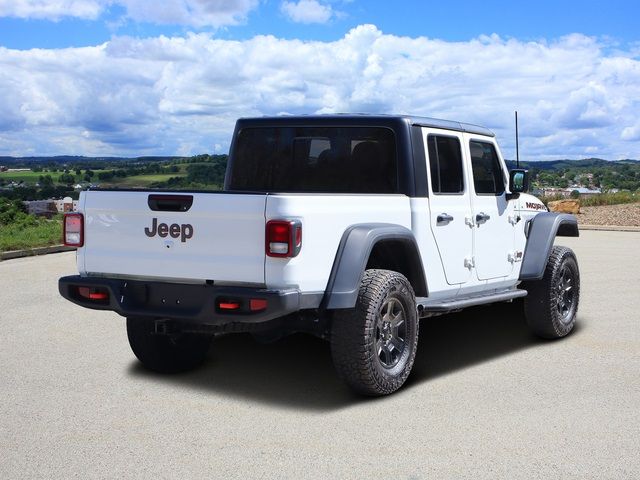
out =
column 450, row 205
column 493, row 214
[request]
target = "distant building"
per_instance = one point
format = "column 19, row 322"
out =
column 583, row 191
column 51, row 206
column 3, row 168
column 555, row 192
column 65, row 205
column 45, row 208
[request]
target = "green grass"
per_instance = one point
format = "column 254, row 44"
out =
column 135, row 180
column 159, row 177
column 37, row 232
column 610, row 199
column 33, row 177
column 27, row 177
column 597, row 200
column 141, row 180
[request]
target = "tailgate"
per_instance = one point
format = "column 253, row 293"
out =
column 219, row 237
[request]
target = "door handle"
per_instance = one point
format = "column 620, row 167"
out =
column 444, row 218
column 482, row 217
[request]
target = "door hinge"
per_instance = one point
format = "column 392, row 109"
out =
column 469, row 263
column 514, row 219
column 469, row 221
column 514, row 256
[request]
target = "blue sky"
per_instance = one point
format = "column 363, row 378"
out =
column 464, row 20
column 130, row 77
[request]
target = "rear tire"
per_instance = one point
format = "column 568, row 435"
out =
column 552, row 303
column 374, row 345
column 166, row 353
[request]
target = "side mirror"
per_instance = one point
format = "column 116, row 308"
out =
column 518, row 181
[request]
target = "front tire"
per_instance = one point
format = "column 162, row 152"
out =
column 552, row 303
column 166, row 353
column 374, row 345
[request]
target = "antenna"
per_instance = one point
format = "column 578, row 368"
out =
column 517, row 149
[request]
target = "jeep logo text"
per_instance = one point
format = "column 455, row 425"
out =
column 184, row 231
column 535, row 206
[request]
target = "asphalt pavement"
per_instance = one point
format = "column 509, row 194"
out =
column 486, row 399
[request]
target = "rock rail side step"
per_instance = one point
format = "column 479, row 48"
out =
column 427, row 306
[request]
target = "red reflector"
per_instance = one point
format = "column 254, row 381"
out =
column 93, row 294
column 257, row 304
column 228, row 305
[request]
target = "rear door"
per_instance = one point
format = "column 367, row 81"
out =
column 494, row 234
column 179, row 236
column 450, row 205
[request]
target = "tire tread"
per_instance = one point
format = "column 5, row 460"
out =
column 539, row 308
column 352, row 328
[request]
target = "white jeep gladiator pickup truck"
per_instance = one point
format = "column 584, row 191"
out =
column 349, row 227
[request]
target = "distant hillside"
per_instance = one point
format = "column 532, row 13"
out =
column 67, row 159
column 589, row 172
column 566, row 164
column 207, row 171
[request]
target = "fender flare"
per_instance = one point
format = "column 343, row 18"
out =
column 351, row 261
column 542, row 231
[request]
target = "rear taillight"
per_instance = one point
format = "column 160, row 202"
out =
column 283, row 238
column 73, row 230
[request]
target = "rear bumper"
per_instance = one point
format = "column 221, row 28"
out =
column 190, row 303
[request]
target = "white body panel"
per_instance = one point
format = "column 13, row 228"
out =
column 487, row 246
column 493, row 239
column 324, row 219
column 227, row 243
column 527, row 207
column 432, row 263
column 454, row 238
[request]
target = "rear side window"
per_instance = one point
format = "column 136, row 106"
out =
column 487, row 172
column 445, row 164
column 315, row 159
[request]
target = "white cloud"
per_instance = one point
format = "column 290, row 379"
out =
column 183, row 94
column 631, row 133
column 307, row 11
column 195, row 13
column 51, row 9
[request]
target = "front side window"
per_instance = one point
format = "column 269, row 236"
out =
column 315, row 159
column 445, row 164
column 487, row 171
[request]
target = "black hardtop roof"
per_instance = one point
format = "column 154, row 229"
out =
column 364, row 119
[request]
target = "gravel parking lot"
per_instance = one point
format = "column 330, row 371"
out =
column 485, row 400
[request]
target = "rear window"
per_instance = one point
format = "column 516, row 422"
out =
column 445, row 162
column 315, row 159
